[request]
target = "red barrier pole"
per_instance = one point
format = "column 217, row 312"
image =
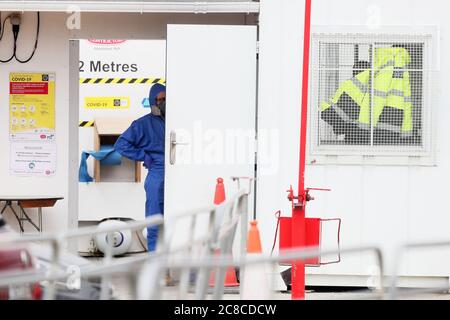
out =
column 298, row 209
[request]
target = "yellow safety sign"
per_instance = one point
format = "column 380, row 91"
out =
column 32, row 103
column 107, row 102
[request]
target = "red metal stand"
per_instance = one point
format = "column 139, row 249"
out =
column 299, row 202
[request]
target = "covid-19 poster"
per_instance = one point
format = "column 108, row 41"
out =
column 32, row 124
column 32, row 106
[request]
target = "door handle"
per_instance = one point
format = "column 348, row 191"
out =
column 173, row 146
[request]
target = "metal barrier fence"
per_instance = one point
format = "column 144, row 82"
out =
column 57, row 242
column 272, row 262
column 194, row 260
column 400, row 252
column 146, row 272
column 222, row 223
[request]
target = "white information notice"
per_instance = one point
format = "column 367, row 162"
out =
column 33, row 158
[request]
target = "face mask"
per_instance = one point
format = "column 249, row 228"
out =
column 159, row 110
column 156, row 111
column 162, row 107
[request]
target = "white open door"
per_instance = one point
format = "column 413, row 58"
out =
column 211, row 105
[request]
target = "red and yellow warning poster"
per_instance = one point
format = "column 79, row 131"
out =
column 32, row 106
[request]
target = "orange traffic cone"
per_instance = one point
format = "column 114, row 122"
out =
column 254, row 239
column 230, row 276
column 255, row 285
column 219, row 195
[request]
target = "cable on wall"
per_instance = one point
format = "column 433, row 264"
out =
column 15, row 23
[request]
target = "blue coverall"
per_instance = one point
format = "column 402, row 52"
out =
column 144, row 141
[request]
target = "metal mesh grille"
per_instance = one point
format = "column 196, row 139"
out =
column 368, row 94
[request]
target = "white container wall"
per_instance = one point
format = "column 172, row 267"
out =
column 380, row 203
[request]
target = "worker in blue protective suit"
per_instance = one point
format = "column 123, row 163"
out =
column 144, row 141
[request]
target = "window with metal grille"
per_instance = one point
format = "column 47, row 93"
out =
column 370, row 94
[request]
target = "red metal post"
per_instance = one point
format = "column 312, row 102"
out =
column 305, row 82
column 298, row 209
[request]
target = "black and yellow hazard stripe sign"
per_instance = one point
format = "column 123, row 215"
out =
column 122, row 80
column 86, row 124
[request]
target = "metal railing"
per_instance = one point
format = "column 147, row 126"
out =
column 400, row 252
column 57, row 242
column 223, row 220
column 272, row 262
column 194, row 260
column 222, row 225
column 147, row 272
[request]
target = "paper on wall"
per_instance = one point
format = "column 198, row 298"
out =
column 33, row 158
column 32, row 106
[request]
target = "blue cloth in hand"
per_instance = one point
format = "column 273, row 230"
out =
column 106, row 155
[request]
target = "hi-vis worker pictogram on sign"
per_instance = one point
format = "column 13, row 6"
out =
column 32, row 106
column 122, row 80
